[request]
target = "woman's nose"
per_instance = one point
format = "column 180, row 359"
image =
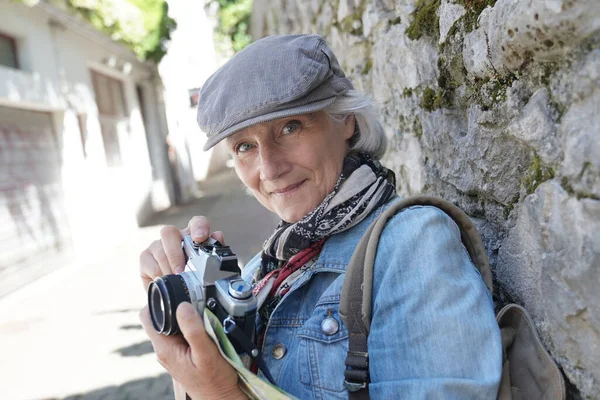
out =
column 273, row 163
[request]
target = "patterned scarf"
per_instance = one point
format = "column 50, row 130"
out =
column 362, row 186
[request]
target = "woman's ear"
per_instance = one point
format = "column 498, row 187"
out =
column 349, row 126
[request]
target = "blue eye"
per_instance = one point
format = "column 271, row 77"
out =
column 243, row 147
column 291, row 127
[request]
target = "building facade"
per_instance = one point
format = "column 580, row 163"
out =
column 83, row 150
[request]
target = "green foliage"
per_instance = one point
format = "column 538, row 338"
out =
column 159, row 26
column 142, row 25
column 234, row 22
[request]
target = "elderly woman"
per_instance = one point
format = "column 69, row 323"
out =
column 306, row 145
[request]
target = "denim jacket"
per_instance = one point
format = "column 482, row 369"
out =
column 433, row 331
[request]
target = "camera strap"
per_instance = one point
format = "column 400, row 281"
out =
column 238, row 337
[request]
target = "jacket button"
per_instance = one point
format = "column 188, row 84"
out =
column 278, row 351
column 330, row 326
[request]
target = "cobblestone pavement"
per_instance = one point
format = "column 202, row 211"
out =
column 75, row 333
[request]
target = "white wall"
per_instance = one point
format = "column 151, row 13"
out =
column 56, row 58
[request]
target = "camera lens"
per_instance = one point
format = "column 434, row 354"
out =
column 164, row 295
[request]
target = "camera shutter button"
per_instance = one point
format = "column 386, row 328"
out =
column 240, row 289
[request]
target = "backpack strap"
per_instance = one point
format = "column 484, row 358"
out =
column 355, row 303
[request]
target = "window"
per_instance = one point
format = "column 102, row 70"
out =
column 112, row 109
column 8, row 51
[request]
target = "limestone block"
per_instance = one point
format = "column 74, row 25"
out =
column 405, row 158
column 303, row 14
column 346, row 8
column 448, row 14
column 370, row 18
column 550, row 263
column 325, row 19
column 580, row 128
column 538, row 29
column 400, row 63
column 258, row 28
column 536, row 127
column 586, row 79
column 353, row 54
column 475, row 48
column 473, row 156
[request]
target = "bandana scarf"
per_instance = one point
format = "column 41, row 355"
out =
column 362, row 186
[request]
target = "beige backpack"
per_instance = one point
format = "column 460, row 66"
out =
column 528, row 370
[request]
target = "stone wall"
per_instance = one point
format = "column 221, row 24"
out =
column 494, row 105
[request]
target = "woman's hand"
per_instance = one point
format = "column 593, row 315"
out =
column 165, row 256
column 193, row 360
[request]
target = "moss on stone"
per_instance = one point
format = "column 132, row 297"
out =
column 586, row 165
column 367, row 67
column 443, row 99
column 489, row 91
column 451, row 76
column 586, row 195
column 473, row 8
column 557, row 108
column 547, row 70
column 454, row 28
column 510, row 206
column 418, row 127
column 536, row 175
column 353, row 23
column 407, row 92
column 394, row 21
column 428, row 99
column 425, row 20
column 314, row 18
column 564, row 182
column 434, row 99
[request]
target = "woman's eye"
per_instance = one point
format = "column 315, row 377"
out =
column 242, row 147
column 291, row 127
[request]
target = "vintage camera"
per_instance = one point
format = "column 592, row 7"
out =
column 211, row 279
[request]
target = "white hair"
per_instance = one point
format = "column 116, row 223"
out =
column 369, row 136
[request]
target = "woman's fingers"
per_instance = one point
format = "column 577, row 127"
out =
column 218, row 235
column 170, row 238
column 199, row 228
column 203, row 354
column 170, row 350
column 192, row 359
column 203, row 349
column 149, row 268
column 165, row 256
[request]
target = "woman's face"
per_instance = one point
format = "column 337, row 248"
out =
column 291, row 164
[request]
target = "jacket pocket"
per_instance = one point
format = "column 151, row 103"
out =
column 322, row 349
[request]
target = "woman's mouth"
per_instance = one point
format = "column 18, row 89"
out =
column 288, row 190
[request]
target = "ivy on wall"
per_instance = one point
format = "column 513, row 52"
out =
column 142, row 25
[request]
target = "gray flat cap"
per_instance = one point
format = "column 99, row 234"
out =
column 274, row 77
